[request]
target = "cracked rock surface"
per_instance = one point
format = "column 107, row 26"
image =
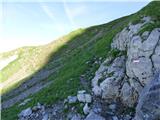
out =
column 136, row 69
column 148, row 107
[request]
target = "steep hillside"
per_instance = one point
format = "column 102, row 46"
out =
column 49, row 74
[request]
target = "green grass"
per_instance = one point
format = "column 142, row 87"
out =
column 152, row 10
column 73, row 51
column 149, row 27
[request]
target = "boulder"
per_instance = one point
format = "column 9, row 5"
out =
column 106, row 82
column 86, row 109
column 110, row 89
column 111, row 84
column 88, row 98
column 25, row 113
column 84, row 97
column 98, row 75
column 72, row 99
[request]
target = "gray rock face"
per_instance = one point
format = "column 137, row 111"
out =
column 98, row 75
column 128, row 95
column 143, row 59
column 139, row 63
column 156, row 57
column 122, row 39
column 125, row 77
column 148, row 107
column 93, row 116
column 108, row 78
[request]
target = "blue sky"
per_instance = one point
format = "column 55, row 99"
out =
column 34, row 23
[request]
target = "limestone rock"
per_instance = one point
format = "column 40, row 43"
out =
column 148, row 107
column 110, row 89
column 145, row 35
column 128, row 95
column 72, row 99
column 86, row 109
column 84, row 97
column 98, row 75
column 152, row 40
column 107, row 82
column 88, row 98
column 25, row 112
column 143, row 57
column 156, row 57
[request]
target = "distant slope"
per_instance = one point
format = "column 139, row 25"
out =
column 62, row 62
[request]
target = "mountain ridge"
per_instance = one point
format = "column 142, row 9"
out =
column 71, row 54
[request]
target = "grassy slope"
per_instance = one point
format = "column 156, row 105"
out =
column 73, row 51
column 31, row 59
column 66, row 82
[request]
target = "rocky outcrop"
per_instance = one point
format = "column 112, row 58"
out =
column 132, row 72
column 148, row 107
column 122, row 39
column 128, row 95
column 108, row 78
